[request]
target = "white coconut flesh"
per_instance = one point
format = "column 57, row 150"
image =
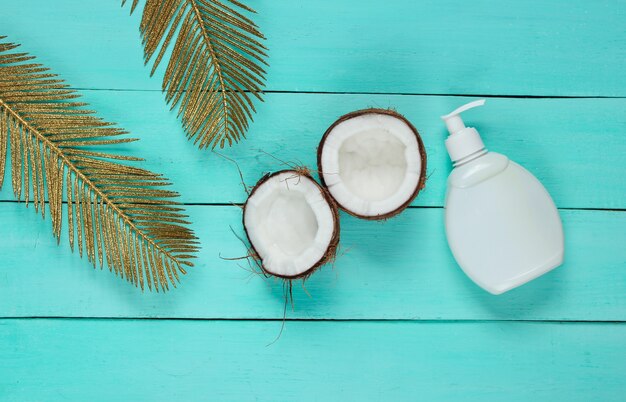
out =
column 371, row 164
column 289, row 223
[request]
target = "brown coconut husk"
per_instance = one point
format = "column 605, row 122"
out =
column 330, row 253
column 422, row 150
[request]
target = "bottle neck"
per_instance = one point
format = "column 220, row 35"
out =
column 464, row 144
column 470, row 157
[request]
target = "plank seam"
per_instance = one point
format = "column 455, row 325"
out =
column 240, row 205
column 468, row 95
column 390, row 320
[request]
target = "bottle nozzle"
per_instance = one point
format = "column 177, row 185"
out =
column 463, row 141
column 453, row 121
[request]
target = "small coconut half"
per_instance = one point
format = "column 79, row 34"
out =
column 373, row 163
column 292, row 224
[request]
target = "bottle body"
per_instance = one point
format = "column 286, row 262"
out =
column 502, row 225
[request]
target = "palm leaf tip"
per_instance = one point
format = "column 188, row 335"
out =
column 117, row 214
column 215, row 67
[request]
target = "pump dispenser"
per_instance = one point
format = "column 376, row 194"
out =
column 463, row 141
column 502, row 225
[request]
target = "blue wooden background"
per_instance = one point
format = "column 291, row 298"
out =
column 395, row 318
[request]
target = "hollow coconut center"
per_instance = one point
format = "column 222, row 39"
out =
column 371, row 164
column 290, row 212
column 289, row 223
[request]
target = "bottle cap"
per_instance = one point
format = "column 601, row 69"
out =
column 462, row 141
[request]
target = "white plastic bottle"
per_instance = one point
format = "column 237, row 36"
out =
column 502, row 225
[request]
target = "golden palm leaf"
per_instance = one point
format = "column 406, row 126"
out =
column 214, row 66
column 116, row 212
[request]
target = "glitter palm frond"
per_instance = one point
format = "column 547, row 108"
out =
column 117, row 214
column 214, row 68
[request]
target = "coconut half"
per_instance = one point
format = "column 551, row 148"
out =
column 292, row 224
column 373, row 163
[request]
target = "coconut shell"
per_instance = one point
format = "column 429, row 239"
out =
column 330, row 253
column 422, row 150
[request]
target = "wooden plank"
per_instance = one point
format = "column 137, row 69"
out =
column 448, row 47
column 399, row 269
column 574, row 146
column 104, row 360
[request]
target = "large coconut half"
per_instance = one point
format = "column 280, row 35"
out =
column 373, row 163
column 292, row 224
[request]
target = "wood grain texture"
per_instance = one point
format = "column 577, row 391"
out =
column 399, row 269
column 157, row 360
column 481, row 47
column 413, row 326
column 574, row 146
